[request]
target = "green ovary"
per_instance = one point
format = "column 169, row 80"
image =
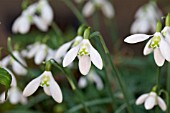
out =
column 155, row 42
column 45, row 81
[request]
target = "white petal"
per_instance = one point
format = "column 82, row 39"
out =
column 70, row 56
column 159, row 59
column 5, row 61
column 32, row 86
column 41, row 54
column 2, row 97
column 62, row 50
column 47, row 90
column 18, row 69
column 162, row 104
column 40, row 23
column 14, row 95
column 88, row 9
column 141, row 99
column 165, row 49
column 23, row 100
column 98, row 81
column 82, row 83
column 96, row 58
column 150, row 102
column 108, row 10
column 147, row 50
column 24, row 25
column 47, row 14
column 136, row 38
column 55, row 90
column 84, row 64
column 33, row 49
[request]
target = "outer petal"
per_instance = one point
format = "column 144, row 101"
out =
column 55, row 90
column 14, row 95
column 62, row 50
column 33, row 49
column 5, row 61
column 95, row 57
column 165, row 49
column 32, row 86
column 41, row 54
column 98, row 81
column 161, row 104
column 2, row 97
column 150, row 102
column 24, row 25
column 40, row 23
column 84, row 64
column 159, row 59
column 136, row 38
column 108, row 10
column 47, row 90
column 18, row 69
column 70, row 56
column 141, row 99
column 88, row 9
column 47, row 14
column 82, row 83
column 147, row 50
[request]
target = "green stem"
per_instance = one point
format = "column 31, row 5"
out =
column 72, row 83
column 76, row 12
column 168, row 87
column 110, row 89
column 158, row 79
column 117, row 73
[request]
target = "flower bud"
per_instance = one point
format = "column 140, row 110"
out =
column 159, row 26
column 87, row 33
column 48, row 65
column 167, row 23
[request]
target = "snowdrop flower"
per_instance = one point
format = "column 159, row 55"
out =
column 17, row 67
column 166, row 30
column 146, row 18
column 104, row 5
column 91, row 77
column 39, row 51
column 157, row 44
column 50, row 86
column 86, row 54
column 150, row 100
column 61, row 52
column 14, row 94
column 29, row 16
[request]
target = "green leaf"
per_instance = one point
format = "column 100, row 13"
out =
column 5, row 79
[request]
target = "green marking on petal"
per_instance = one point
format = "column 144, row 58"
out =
column 155, row 42
column 45, row 81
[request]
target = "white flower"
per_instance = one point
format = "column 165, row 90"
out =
column 50, row 86
column 61, row 52
column 146, row 18
column 39, row 51
column 29, row 16
column 14, row 94
column 91, row 77
column 17, row 67
column 104, row 5
column 156, row 44
column 150, row 100
column 86, row 53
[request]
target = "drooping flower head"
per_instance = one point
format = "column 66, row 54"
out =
column 50, row 86
column 17, row 67
column 104, row 5
column 146, row 18
column 86, row 54
column 150, row 100
column 157, row 44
